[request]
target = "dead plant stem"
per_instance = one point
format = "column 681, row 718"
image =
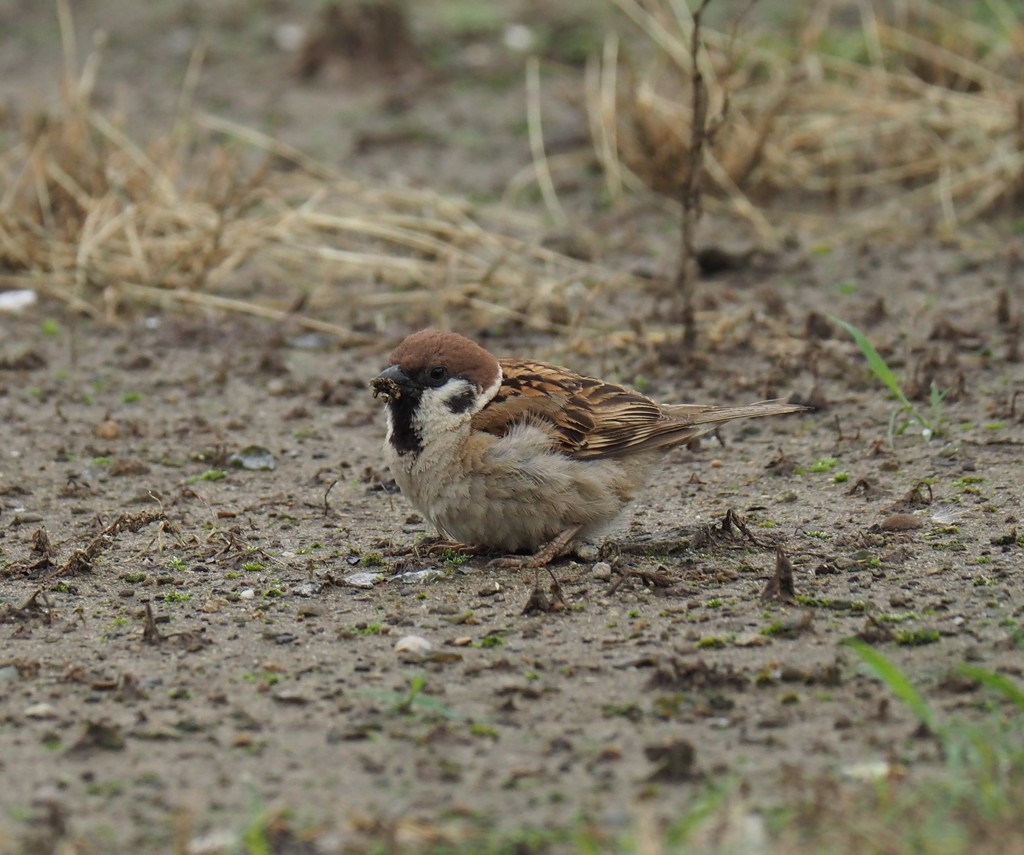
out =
column 690, row 195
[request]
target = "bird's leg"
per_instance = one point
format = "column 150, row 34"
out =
column 550, row 551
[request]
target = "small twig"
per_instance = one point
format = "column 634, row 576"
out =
column 863, row 485
column 327, row 492
column 191, row 82
column 649, row 579
column 82, row 559
column 539, row 601
column 66, row 23
column 536, row 132
column 36, row 603
column 345, row 335
column 150, row 633
column 606, row 132
column 44, row 552
column 917, row 496
column 732, row 518
column 839, row 428
column 712, row 534
column 780, row 587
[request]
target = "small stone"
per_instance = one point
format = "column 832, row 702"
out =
column 254, row 458
column 41, row 711
column 363, row 580
column 108, row 429
column 213, row 843
column 413, row 577
column 247, row 594
column 462, row 641
column 307, row 589
column 900, row 522
column 602, row 571
column 412, row 647
column 870, row 770
column 15, row 301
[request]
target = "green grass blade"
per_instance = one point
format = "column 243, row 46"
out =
column 996, row 682
column 700, row 811
column 879, row 367
column 936, row 396
column 892, row 426
column 898, row 682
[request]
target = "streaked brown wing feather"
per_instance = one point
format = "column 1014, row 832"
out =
column 589, row 418
column 539, row 393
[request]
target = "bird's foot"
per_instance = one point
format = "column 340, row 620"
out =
column 551, row 551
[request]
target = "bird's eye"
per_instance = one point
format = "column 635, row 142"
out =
column 438, row 374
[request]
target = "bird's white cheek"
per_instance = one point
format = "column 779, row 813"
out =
column 446, row 409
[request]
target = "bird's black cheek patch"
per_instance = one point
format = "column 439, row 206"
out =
column 404, row 436
column 462, row 402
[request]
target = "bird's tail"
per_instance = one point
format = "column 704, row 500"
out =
column 709, row 414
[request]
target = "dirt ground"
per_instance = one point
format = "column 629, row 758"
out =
column 198, row 653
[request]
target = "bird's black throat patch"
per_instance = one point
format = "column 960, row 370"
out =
column 461, row 402
column 405, row 437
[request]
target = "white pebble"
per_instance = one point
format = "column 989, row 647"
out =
column 868, row 771
column 412, row 646
column 15, row 301
column 42, row 710
column 519, row 38
column 289, row 37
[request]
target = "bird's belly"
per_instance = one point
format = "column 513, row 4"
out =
column 514, row 492
column 511, row 524
column 529, row 505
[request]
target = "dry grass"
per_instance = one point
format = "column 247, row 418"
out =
column 217, row 215
column 913, row 120
column 922, row 129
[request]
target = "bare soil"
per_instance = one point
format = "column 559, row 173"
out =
column 193, row 649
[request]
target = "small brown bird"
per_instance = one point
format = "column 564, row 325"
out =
column 513, row 455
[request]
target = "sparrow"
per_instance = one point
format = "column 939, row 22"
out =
column 512, row 455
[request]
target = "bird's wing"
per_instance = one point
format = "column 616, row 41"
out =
column 589, row 418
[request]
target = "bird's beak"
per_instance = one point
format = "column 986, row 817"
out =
column 390, row 383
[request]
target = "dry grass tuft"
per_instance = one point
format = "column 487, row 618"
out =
column 217, row 215
column 910, row 120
